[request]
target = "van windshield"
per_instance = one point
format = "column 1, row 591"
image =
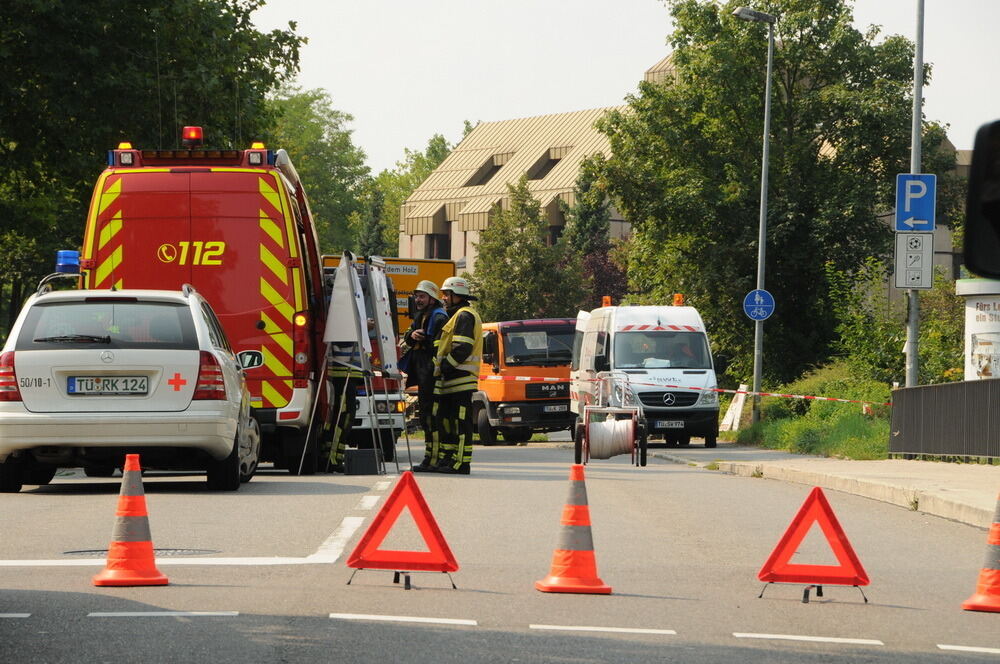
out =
column 661, row 349
column 538, row 346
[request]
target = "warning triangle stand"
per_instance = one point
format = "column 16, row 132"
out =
column 779, row 569
column 368, row 555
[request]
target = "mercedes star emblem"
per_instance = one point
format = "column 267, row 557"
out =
column 669, row 399
column 107, row 356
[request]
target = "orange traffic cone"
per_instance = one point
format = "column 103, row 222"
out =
column 987, row 595
column 130, row 555
column 574, row 568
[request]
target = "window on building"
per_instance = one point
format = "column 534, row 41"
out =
column 489, row 168
column 437, row 246
column 546, row 162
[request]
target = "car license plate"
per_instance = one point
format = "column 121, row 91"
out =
column 559, row 408
column 669, row 424
column 107, row 385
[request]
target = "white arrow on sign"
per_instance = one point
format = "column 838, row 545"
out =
column 912, row 221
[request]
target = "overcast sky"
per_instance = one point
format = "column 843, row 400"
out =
column 407, row 69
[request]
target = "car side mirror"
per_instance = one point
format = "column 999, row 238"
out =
column 602, row 363
column 982, row 208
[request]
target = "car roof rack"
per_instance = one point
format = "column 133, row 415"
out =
column 45, row 285
column 187, row 289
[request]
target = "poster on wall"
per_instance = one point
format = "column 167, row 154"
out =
column 385, row 335
column 982, row 327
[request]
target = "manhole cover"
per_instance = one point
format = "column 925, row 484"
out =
column 158, row 552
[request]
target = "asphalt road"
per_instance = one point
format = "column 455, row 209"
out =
column 262, row 571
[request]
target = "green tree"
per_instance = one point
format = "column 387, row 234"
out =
column 371, row 239
column 685, row 169
column 587, row 233
column 77, row 78
column 397, row 184
column 518, row 274
column 332, row 168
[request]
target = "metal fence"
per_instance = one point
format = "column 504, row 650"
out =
column 953, row 419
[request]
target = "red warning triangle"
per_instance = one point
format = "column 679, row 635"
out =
column 438, row 558
column 815, row 509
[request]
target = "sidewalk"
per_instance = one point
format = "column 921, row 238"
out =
column 961, row 492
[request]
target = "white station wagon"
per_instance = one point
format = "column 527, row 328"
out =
column 88, row 376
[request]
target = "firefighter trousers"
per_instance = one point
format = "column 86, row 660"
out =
column 453, row 428
column 343, row 409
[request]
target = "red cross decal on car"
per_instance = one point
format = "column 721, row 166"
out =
column 176, row 382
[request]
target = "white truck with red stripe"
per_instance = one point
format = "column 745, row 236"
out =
column 655, row 357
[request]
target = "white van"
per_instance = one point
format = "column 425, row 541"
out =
column 657, row 357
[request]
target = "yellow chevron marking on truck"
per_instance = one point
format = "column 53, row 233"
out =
column 271, row 194
column 270, row 327
column 110, row 230
column 109, row 196
column 273, row 264
column 277, row 366
column 108, row 266
column 275, row 299
column 271, row 396
column 269, row 226
column 284, row 341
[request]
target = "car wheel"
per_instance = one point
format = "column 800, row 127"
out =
column 11, row 476
column 250, row 451
column 224, row 475
column 486, row 434
column 40, row 475
column 99, row 471
column 387, row 440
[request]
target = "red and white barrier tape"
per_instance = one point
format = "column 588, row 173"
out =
column 530, row 379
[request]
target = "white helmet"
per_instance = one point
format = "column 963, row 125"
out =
column 429, row 287
column 458, row 286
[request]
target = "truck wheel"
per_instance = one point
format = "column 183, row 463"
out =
column 684, row 441
column 486, row 434
column 387, row 441
column 99, row 471
column 40, row 475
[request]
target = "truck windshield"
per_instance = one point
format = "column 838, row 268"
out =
column 661, row 349
column 538, row 346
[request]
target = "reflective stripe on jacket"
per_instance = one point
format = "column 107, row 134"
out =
column 459, row 351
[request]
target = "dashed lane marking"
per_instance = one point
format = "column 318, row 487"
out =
column 990, row 651
column 813, row 639
column 163, row 614
column 381, row 486
column 331, row 549
column 410, row 619
column 15, row 615
column 367, row 502
column 616, row 630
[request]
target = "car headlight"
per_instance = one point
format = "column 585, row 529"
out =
column 709, row 398
column 381, row 407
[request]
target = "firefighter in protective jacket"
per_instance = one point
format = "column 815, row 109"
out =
column 420, row 342
column 456, row 371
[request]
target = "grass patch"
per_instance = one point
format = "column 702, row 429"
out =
column 712, row 466
column 826, row 428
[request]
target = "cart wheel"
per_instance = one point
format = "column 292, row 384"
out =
column 578, row 443
column 643, row 444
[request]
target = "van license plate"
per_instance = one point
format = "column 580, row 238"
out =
column 560, row 408
column 107, row 385
column 669, row 424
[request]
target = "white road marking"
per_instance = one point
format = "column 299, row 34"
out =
column 330, row 550
column 367, row 502
column 381, row 486
column 99, row 562
column 814, row 639
column 617, row 630
column 412, row 619
column 15, row 615
column 991, row 651
column 162, row 614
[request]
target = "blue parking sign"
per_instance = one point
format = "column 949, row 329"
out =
column 758, row 304
column 916, row 202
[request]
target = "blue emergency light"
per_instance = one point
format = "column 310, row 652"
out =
column 68, row 261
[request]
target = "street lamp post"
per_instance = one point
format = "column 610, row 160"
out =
column 747, row 14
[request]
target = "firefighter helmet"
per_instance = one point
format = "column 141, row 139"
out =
column 458, row 286
column 429, row 287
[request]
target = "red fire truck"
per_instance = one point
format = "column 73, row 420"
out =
column 236, row 225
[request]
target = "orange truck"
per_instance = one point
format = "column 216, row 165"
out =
column 236, row 225
column 516, row 396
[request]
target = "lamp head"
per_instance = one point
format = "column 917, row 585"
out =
column 747, row 14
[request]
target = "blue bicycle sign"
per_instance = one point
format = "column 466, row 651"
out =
column 758, row 304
